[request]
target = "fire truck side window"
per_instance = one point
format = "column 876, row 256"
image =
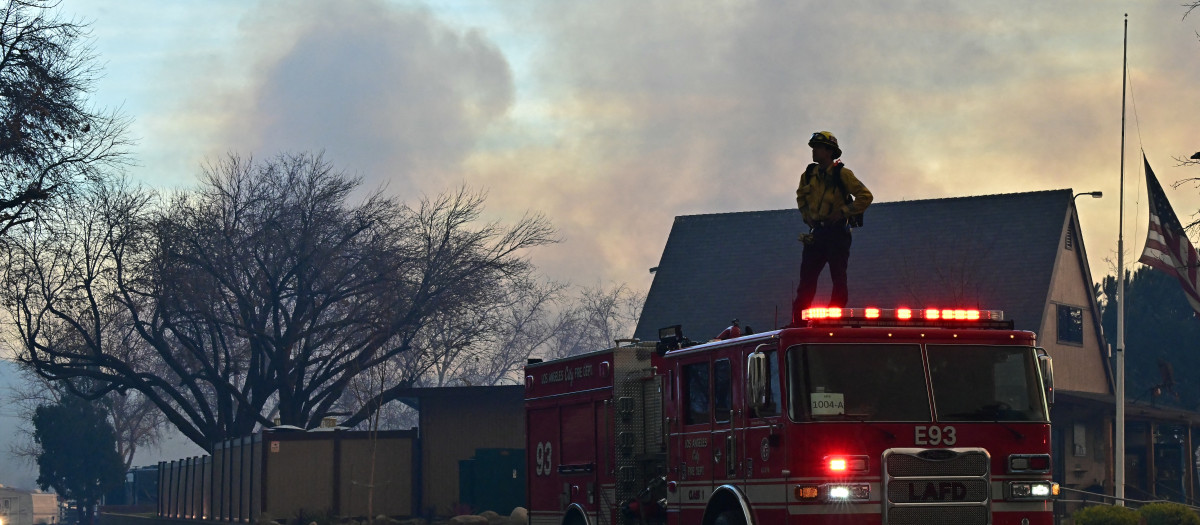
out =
column 722, row 390
column 695, row 385
column 773, row 394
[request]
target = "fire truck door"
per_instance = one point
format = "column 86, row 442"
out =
column 579, row 453
column 692, row 437
column 761, row 438
column 726, row 431
column 542, row 427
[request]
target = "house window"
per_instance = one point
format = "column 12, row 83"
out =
column 1079, row 440
column 1070, row 324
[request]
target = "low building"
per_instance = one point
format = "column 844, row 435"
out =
column 467, row 454
column 457, row 424
column 24, row 507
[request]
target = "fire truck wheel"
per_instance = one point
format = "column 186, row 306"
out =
column 728, row 517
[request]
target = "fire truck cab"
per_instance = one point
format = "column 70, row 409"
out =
column 857, row 416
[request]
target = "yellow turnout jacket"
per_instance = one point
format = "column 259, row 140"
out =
column 819, row 194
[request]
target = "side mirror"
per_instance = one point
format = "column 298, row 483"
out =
column 758, row 379
column 1046, row 363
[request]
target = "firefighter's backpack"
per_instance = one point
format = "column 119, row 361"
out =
column 856, row 220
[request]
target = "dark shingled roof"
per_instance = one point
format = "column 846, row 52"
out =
column 990, row 251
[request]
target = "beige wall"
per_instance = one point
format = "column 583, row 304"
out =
column 298, row 473
column 300, row 476
column 1079, row 368
column 19, row 507
column 45, row 508
column 392, row 478
column 453, row 426
column 1085, row 462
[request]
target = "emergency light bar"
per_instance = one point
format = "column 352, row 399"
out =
column 872, row 316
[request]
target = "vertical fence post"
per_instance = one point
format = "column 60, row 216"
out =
column 241, row 470
column 177, row 486
column 337, row 474
column 263, row 473
column 218, row 486
column 187, row 487
column 206, row 483
column 253, row 514
column 227, row 480
column 159, row 503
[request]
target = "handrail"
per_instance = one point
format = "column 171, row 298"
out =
column 1105, row 499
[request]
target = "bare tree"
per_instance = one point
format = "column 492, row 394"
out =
column 262, row 292
column 490, row 342
column 596, row 319
column 50, row 138
column 58, row 287
column 473, row 269
column 1193, row 160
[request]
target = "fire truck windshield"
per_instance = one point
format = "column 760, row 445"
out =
column 986, row 383
column 886, row 382
column 858, row 382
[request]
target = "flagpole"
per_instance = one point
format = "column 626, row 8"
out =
column 1119, row 453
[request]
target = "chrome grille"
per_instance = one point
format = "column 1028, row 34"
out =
column 937, row 486
column 937, row 515
column 965, row 464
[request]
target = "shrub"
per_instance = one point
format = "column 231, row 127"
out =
column 1106, row 515
column 1168, row 514
column 310, row 517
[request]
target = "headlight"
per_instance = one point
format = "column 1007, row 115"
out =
column 1032, row 490
column 847, row 492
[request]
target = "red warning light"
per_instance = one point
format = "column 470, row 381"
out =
column 957, row 314
column 822, row 313
column 881, row 316
column 842, row 464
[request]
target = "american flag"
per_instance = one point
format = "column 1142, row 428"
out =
column 1167, row 246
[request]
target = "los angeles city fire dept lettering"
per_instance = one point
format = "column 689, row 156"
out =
column 568, row 374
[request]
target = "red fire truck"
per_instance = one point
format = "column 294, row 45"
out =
column 875, row 416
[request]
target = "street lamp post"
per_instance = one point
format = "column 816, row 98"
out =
column 1119, row 387
column 1120, row 379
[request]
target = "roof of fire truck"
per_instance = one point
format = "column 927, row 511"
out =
column 993, row 251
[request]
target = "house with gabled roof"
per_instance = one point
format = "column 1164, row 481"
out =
column 1021, row 253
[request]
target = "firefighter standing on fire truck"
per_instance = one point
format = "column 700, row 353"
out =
column 831, row 200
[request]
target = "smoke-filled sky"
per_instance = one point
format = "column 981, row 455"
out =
column 612, row 117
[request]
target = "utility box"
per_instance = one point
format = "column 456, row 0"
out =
column 493, row 480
